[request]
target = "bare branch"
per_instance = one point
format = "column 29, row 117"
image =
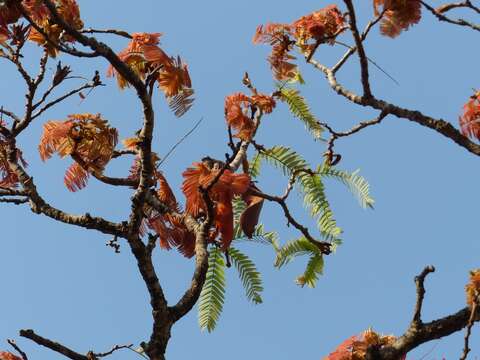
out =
column 17, row 348
column 367, row 93
column 115, row 348
column 14, row 201
column 52, row 345
column 471, row 321
column 325, row 247
column 353, row 49
column 419, row 282
column 442, row 17
column 107, row 31
column 419, row 332
column 441, row 126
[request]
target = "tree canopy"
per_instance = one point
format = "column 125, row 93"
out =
column 334, row 142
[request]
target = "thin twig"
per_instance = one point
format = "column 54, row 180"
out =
column 107, row 31
column 442, row 17
column 468, row 332
column 115, row 348
column 182, row 139
column 17, row 348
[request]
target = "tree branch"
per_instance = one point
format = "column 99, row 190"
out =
column 441, row 126
column 325, row 247
column 52, row 345
column 419, row 332
column 367, row 93
column 441, row 17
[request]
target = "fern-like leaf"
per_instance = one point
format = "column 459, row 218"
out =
column 313, row 270
column 182, row 102
column 316, row 201
column 212, row 297
column 300, row 109
column 302, row 247
column 249, row 275
column 259, row 235
column 356, row 183
column 255, row 166
column 285, row 159
column 311, row 186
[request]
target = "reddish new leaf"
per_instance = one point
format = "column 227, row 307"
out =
column 5, row 355
column 399, row 15
column 250, row 216
column 470, row 119
column 221, row 194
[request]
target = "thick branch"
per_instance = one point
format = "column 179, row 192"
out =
column 419, row 332
column 40, row 206
column 360, row 50
column 441, row 126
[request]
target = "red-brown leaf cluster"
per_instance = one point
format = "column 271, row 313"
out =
column 355, row 347
column 321, row 26
column 87, row 138
column 145, row 57
column 5, row 355
column 170, row 229
column 472, row 289
column 470, row 119
column 8, row 178
column 277, row 35
column 237, row 108
column 399, row 15
column 226, row 185
column 39, row 13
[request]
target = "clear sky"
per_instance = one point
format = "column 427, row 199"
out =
column 64, row 283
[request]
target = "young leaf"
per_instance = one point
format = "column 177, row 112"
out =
column 300, row 109
column 249, row 275
column 356, row 183
column 212, row 297
column 302, row 247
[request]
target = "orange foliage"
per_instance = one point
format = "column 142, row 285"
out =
column 87, row 138
column 5, row 355
column 8, row 15
column 67, row 9
column 221, row 193
column 473, row 287
column 141, row 54
column 8, row 178
column 174, row 78
column 171, row 231
column 323, row 25
column 355, row 347
column 277, row 35
column 236, row 112
column 144, row 56
column 399, row 15
column 470, row 120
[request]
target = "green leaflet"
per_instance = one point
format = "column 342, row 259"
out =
column 300, row 109
column 249, row 275
column 302, row 247
column 255, row 166
column 356, row 183
column 259, row 235
column 311, row 186
column 212, row 297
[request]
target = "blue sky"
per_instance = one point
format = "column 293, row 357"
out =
column 67, row 285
